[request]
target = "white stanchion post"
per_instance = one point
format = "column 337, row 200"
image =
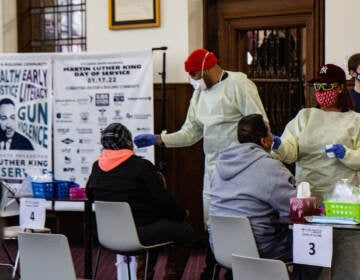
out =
column 122, row 270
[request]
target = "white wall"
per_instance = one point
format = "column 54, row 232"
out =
column 8, row 26
column 342, row 37
column 174, row 32
column 181, row 31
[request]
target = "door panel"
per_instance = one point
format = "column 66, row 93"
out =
column 228, row 24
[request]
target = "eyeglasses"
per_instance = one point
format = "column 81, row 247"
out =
column 324, row 86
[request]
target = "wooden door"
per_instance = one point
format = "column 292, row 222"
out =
column 230, row 28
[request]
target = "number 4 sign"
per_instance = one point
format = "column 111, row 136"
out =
column 32, row 213
column 312, row 245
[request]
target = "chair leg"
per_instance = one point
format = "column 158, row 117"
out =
column 15, row 268
column 214, row 271
column 146, row 264
column 97, row 261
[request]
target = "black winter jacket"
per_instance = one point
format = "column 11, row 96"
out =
column 136, row 182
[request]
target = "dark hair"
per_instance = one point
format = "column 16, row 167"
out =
column 354, row 62
column 251, row 129
column 345, row 101
column 6, row 101
column 115, row 137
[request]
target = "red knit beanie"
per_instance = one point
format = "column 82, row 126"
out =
column 196, row 60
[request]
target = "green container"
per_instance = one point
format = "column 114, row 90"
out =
column 342, row 209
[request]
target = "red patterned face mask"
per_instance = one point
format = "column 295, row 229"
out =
column 326, row 98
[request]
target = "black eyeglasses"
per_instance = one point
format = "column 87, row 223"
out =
column 324, row 86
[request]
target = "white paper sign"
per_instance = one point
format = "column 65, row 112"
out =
column 32, row 213
column 312, row 245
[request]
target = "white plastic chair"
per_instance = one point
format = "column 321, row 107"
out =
column 117, row 232
column 231, row 234
column 9, row 207
column 248, row 268
column 45, row 256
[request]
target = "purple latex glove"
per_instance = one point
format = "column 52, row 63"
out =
column 145, row 140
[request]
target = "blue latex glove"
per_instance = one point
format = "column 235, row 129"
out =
column 145, row 140
column 277, row 142
column 338, row 149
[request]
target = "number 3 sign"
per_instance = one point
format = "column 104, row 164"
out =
column 312, row 245
column 32, row 213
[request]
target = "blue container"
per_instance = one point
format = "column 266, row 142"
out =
column 62, row 188
column 43, row 189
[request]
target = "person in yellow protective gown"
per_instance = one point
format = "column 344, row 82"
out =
column 324, row 143
column 220, row 99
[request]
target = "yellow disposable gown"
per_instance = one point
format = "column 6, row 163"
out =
column 304, row 140
column 213, row 115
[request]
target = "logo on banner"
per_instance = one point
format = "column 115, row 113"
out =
column 84, row 130
column 118, row 98
column 118, row 116
column 66, row 150
column 65, row 102
column 102, row 119
column 85, row 151
column 84, row 101
column 102, row 111
column 63, row 130
column 143, row 128
column 146, row 98
column 67, row 160
column 84, row 116
column 102, row 99
column 138, row 116
column 84, row 160
column 84, row 141
column 67, row 141
column 68, row 169
column 64, row 117
column 85, row 170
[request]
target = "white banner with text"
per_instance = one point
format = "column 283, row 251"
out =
column 92, row 91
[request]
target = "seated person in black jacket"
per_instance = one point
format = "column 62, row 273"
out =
column 120, row 175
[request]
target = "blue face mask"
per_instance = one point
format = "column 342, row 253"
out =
column 358, row 76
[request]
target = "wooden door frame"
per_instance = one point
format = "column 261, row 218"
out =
column 224, row 19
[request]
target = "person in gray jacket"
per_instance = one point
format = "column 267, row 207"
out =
column 247, row 181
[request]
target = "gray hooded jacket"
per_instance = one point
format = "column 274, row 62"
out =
column 247, row 181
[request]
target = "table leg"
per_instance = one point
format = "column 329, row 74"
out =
column 88, row 240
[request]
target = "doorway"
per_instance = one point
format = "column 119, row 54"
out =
column 279, row 44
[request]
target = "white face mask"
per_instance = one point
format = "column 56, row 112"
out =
column 198, row 84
